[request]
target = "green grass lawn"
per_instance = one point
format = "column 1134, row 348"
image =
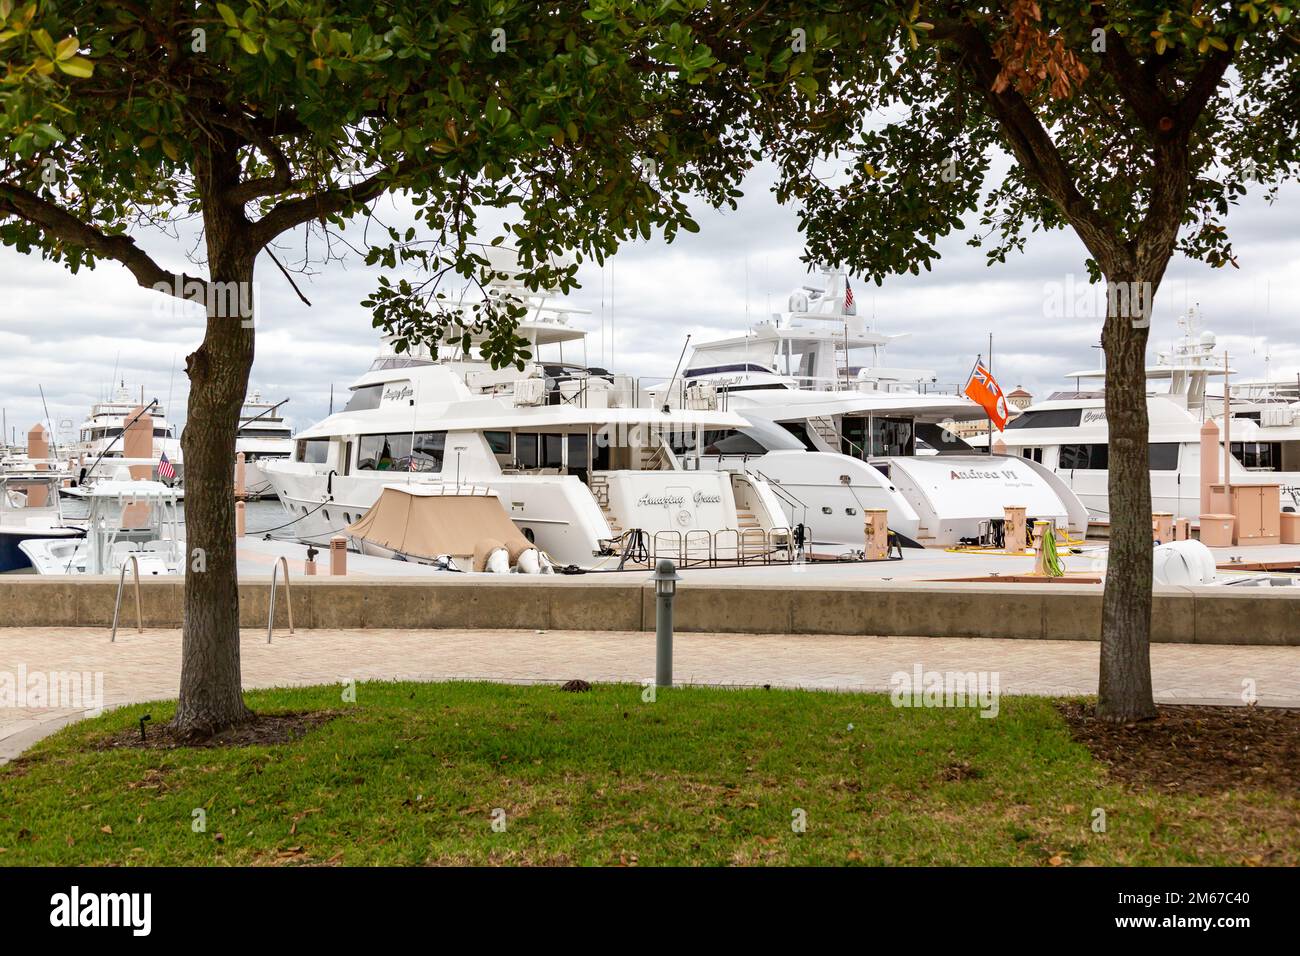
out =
column 412, row 773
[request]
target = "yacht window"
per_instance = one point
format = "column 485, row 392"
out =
column 1258, row 455
column 731, row 442
column 365, row 398
column 314, row 451
column 499, row 442
column 526, row 450
column 1047, row 418
column 396, row 452
column 578, row 456
column 1033, row 454
column 428, row 452
column 1163, row 456
column 162, row 433
column 552, row 451
column 940, row 438
column 800, row 431
column 1085, row 457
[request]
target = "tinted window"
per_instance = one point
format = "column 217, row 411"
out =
column 314, row 452
column 1163, row 456
column 499, row 442
column 1048, row 418
column 365, row 398
column 526, row 450
column 731, row 442
column 1084, row 457
column 397, row 452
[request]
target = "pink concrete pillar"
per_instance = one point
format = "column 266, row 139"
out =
column 240, row 474
column 240, row 519
column 339, row 556
column 38, row 451
column 1209, row 463
column 137, row 442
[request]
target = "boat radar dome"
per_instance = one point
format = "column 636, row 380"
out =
column 1207, row 339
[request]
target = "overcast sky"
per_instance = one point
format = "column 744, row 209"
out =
column 68, row 334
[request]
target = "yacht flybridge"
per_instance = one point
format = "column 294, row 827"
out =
column 835, row 432
column 1068, row 433
column 582, row 465
column 101, row 432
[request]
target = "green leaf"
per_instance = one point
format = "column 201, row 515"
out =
column 77, row 66
column 248, row 43
column 44, row 42
column 228, row 15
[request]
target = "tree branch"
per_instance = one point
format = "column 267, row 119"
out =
column 1033, row 146
column 292, row 213
column 60, row 223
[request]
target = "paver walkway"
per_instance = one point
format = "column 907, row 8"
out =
column 146, row 666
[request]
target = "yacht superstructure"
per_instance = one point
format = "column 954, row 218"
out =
column 1068, row 433
column 835, row 438
column 101, row 432
column 263, row 436
column 579, row 460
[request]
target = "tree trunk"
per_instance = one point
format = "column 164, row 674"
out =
column 211, row 693
column 1124, row 684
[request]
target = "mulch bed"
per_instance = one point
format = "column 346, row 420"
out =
column 261, row 731
column 1196, row 750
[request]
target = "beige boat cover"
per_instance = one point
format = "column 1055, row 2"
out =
column 427, row 525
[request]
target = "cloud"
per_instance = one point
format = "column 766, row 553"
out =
column 72, row 335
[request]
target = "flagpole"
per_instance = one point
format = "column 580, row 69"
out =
column 990, row 417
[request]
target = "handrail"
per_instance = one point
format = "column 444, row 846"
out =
column 288, row 596
column 117, row 606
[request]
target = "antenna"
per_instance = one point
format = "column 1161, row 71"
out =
column 669, row 389
column 54, row 439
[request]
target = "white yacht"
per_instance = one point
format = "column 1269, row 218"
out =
column 100, row 444
column 30, row 509
column 1068, row 433
column 577, row 459
column 263, row 436
column 127, row 519
column 835, row 438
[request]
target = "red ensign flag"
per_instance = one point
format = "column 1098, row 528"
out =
column 982, row 388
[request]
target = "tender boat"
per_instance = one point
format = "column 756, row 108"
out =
column 30, row 509
column 127, row 519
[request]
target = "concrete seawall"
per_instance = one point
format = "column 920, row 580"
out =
column 1203, row 615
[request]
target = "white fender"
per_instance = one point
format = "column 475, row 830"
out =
column 498, row 562
column 529, row 562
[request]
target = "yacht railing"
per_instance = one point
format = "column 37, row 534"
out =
column 117, row 605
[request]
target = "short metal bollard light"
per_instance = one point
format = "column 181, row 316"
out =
column 665, row 579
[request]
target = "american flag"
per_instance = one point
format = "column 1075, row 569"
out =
column 165, row 469
column 849, row 307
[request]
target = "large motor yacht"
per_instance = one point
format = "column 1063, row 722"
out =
column 837, row 432
column 580, row 461
column 263, row 436
column 1068, row 433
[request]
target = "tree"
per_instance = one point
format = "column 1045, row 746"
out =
column 259, row 118
column 1136, row 124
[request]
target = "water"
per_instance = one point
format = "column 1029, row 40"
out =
column 259, row 516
